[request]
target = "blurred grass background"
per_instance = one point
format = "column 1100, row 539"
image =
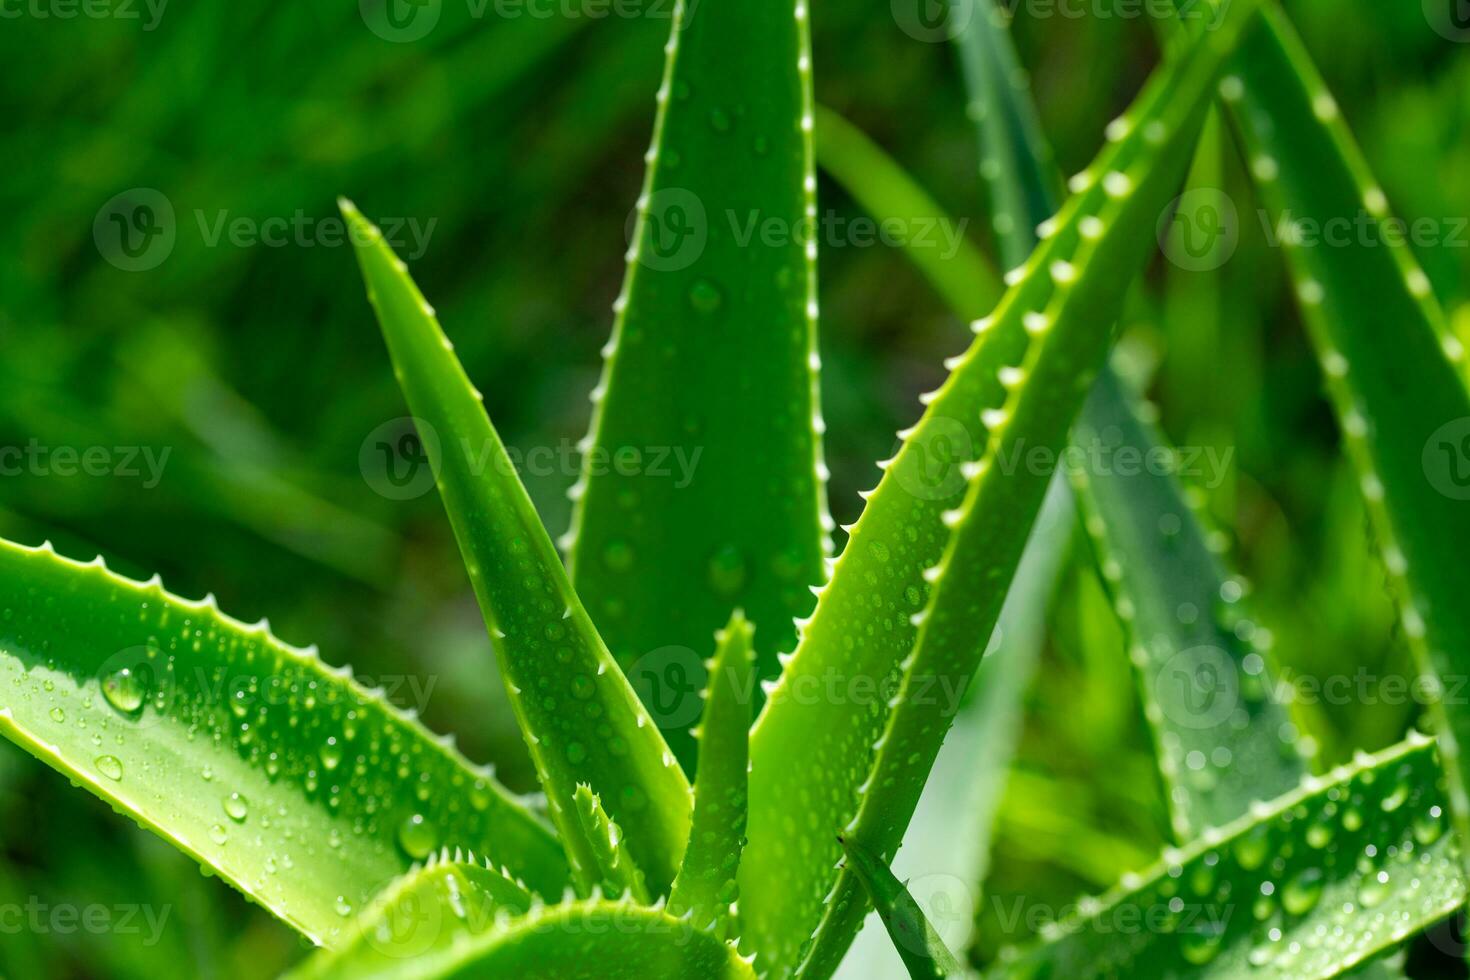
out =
column 521, row 138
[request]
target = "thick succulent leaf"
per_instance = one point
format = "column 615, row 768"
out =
column 449, row 927
column 412, row 927
column 1393, row 368
column 1222, row 739
column 870, row 691
column 919, row 946
column 581, row 719
column 707, row 886
column 1327, row 877
column 614, row 871
column 712, row 364
column 948, row 840
column 281, row 774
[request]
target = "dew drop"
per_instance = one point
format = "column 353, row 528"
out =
column 1373, row 889
column 705, row 296
column 331, row 753
column 618, row 555
column 416, row 836
column 727, row 570
column 236, row 807
column 110, row 767
column 124, row 690
column 218, row 834
column 57, row 715
column 1301, row 893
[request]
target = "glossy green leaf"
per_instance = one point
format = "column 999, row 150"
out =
column 448, row 924
column 711, row 369
column 1393, row 368
column 581, row 719
column 1327, row 877
column 882, row 664
column 412, row 927
column 948, row 840
column 707, row 886
column 1222, row 738
column 919, row 946
column 306, row 791
column 614, row 871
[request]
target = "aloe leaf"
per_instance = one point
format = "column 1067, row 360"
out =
column 712, row 364
column 411, row 927
column 278, row 772
column 614, row 870
column 880, row 667
column 919, row 946
column 952, row 825
column 1392, row 366
column 448, row 925
column 1321, row 880
column 1222, row 739
column 581, row 720
column 707, row 885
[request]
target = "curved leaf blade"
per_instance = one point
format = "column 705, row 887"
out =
column 614, row 872
column 281, row 774
column 707, row 884
column 1309, row 886
column 462, row 931
column 412, row 926
column 1379, row 334
column 712, row 360
column 581, row 720
column 919, row 946
column 1018, row 385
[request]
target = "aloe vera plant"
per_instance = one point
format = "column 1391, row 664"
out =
column 732, row 723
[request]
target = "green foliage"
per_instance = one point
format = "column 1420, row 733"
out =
column 1019, row 385
column 702, row 491
column 918, row 944
column 582, row 722
column 271, row 768
column 713, row 359
column 707, row 887
column 1323, row 879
